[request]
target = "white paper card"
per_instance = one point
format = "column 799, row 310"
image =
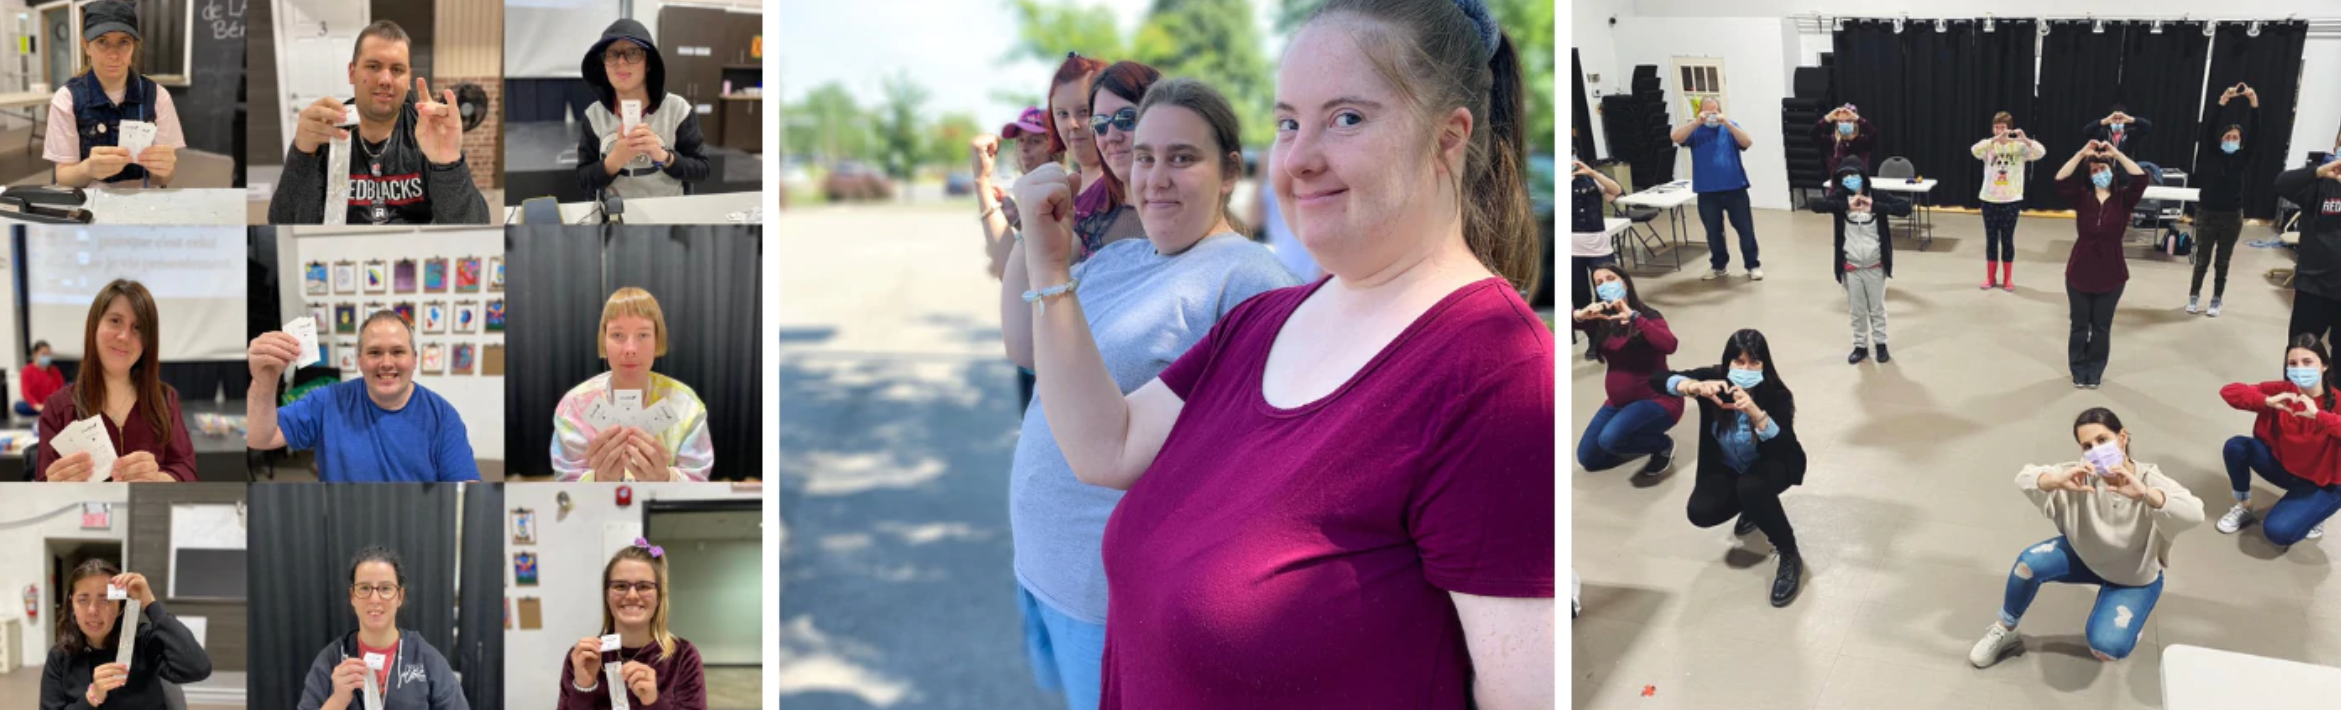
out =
column 374, row 662
column 305, row 329
column 129, row 641
column 136, row 136
column 628, row 401
column 611, row 643
column 87, row 435
column 337, row 181
column 349, row 115
column 629, row 116
column 116, row 593
column 616, row 681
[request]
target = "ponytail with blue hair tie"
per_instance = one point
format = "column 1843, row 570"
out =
column 1490, row 34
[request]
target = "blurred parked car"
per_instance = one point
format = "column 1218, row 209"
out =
column 958, row 184
column 849, row 182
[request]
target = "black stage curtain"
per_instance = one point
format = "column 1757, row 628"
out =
column 2162, row 80
column 302, row 539
column 1871, row 74
column 705, row 279
column 1580, row 116
column 479, row 616
column 2080, row 77
column 2270, row 63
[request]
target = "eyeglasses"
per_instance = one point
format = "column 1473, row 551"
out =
column 367, row 590
column 1124, row 121
column 628, row 55
column 620, row 588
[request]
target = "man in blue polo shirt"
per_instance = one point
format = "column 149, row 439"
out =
column 378, row 428
column 1722, row 184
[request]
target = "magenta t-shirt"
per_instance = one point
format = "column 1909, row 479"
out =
column 1302, row 558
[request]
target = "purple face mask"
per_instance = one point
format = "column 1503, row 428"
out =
column 2105, row 457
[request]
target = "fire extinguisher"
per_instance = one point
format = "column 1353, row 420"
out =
column 32, row 602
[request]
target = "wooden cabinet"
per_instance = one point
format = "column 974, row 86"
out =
column 684, row 34
column 743, row 124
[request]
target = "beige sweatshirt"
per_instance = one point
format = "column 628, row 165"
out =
column 2125, row 541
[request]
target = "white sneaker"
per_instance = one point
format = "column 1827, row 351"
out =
column 2193, row 307
column 2316, row 532
column 2214, row 313
column 1996, row 641
column 1756, row 274
column 2236, row 518
column 1712, row 276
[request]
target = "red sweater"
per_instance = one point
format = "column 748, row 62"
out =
column 135, row 434
column 681, row 683
column 1633, row 360
column 39, row 382
column 2309, row 448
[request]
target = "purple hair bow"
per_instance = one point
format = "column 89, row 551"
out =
column 655, row 552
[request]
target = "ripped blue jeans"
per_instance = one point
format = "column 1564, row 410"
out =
column 2120, row 613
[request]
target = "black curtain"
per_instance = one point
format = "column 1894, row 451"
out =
column 2162, row 80
column 2270, row 63
column 479, row 615
column 302, row 539
column 1872, row 74
column 2080, row 78
column 706, row 279
column 1580, row 116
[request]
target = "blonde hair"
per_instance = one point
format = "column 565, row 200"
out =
column 631, row 301
column 658, row 616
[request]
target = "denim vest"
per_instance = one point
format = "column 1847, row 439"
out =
column 99, row 120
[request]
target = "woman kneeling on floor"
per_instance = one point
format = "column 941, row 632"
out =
column 2295, row 444
column 2115, row 518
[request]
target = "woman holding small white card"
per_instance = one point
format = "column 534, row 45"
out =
column 141, row 434
column 86, row 668
column 639, row 141
column 659, row 670
column 408, row 674
column 629, row 423
column 105, row 114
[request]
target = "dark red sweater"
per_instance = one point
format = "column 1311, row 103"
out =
column 681, row 685
column 1633, row 359
column 2309, row 448
column 2097, row 265
column 134, row 435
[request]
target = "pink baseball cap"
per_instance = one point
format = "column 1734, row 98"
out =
column 1031, row 122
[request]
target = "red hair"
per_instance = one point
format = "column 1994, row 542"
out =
column 1075, row 68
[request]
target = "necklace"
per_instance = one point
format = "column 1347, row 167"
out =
column 380, row 213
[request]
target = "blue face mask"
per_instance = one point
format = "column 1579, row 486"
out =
column 1845, row 127
column 1745, row 378
column 2304, row 377
column 2231, row 146
column 43, row 360
column 1852, row 183
column 2102, row 179
column 1610, row 291
column 2117, row 126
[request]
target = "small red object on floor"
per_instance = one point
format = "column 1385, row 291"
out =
column 1649, row 690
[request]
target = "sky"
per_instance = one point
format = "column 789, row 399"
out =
column 954, row 48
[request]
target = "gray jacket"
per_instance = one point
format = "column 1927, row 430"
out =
column 419, row 678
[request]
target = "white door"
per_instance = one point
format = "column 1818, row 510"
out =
column 314, row 39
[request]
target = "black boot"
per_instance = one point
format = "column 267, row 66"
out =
column 1789, row 581
column 1745, row 526
column 1884, row 357
column 1859, row 353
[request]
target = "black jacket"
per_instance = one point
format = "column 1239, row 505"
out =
column 167, row 652
column 2221, row 174
column 412, row 189
column 1781, row 454
column 2320, row 230
column 1834, row 202
column 2133, row 135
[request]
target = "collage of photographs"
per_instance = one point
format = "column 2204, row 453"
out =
column 383, row 354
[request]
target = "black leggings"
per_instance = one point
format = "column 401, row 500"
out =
column 2091, row 343
column 1999, row 231
column 2217, row 232
column 2312, row 314
column 1722, row 494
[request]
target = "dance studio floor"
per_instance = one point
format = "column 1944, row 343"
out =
column 1909, row 517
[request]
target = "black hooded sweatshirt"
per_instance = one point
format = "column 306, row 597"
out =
column 669, row 115
column 166, row 652
column 1836, row 200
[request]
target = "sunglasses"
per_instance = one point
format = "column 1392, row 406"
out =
column 1124, row 121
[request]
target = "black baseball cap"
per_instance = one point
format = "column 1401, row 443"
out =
column 103, row 16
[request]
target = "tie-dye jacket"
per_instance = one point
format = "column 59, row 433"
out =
column 693, row 451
